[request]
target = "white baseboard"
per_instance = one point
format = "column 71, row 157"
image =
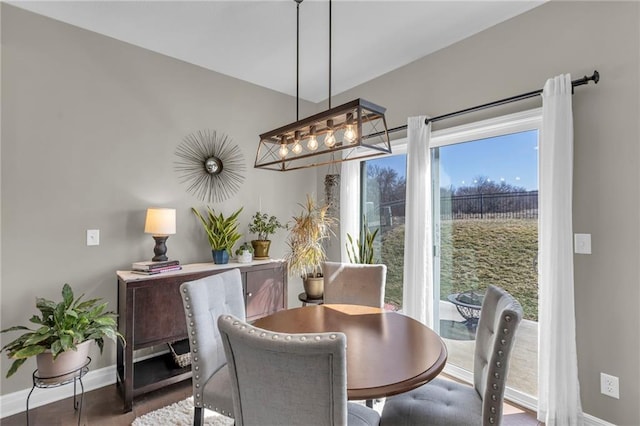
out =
column 16, row 402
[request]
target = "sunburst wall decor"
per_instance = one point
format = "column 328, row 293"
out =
column 211, row 164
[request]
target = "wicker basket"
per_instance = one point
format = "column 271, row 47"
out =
column 181, row 353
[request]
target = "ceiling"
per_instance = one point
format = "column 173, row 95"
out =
column 255, row 41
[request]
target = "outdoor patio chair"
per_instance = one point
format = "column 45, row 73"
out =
column 204, row 300
column 289, row 379
column 445, row 402
column 354, row 284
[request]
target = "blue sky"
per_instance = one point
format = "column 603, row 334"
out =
column 510, row 158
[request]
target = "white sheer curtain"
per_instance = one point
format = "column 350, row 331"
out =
column 417, row 298
column 349, row 204
column 558, row 388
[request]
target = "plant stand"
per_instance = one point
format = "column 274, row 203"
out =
column 50, row 382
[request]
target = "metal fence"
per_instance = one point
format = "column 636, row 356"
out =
column 508, row 205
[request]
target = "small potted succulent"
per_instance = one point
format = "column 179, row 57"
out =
column 62, row 335
column 244, row 253
column 222, row 232
column 263, row 225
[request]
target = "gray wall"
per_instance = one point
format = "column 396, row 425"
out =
column 90, row 126
column 516, row 57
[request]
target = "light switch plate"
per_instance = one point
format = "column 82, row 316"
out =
column 582, row 243
column 93, row 237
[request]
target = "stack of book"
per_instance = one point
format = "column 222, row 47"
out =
column 152, row 268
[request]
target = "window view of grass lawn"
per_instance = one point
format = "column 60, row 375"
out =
column 488, row 235
column 488, row 251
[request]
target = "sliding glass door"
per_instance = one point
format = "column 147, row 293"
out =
column 485, row 215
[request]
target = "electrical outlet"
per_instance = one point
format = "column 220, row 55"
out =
column 609, row 386
column 93, row 237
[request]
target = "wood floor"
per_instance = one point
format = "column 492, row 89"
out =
column 103, row 407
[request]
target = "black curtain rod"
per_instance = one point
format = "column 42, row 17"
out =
column 595, row 77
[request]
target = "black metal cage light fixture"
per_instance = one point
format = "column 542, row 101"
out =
column 352, row 131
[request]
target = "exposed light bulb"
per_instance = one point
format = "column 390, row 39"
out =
column 350, row 134
column 312, row 143
column 283, row 151
column 350, row 131
column 296, row 148
column 330, row 139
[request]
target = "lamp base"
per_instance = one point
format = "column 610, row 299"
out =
column 160, row 249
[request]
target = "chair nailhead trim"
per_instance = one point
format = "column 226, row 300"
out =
column 303, row 338
column 507, row 318
column 498, row 364
column 186, row 298
column 500, row 353
column 493, row 410
column 494, row 397
column 495, row 386
column 184, row 290
column 318, row 338
column 288, row 338
column 496, row 375
column 503, row 342
column 492, row 420
column 333, row 337
column 505, row 331
column 263, row 334
column 275, row 337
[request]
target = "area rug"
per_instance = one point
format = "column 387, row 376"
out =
column 180, row 414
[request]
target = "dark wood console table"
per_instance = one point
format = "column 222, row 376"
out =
column 150, row 313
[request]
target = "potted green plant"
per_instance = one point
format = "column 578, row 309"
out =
column 306, row 239
column 263, row 225
column 222, row 232
column 244, row 253
column 361, row 250
column 63, row 333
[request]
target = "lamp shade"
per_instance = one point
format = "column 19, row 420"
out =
column 160, row 221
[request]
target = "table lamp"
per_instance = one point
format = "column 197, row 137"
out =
column 160, row 224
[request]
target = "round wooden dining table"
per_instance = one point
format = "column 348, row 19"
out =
column 387, row 353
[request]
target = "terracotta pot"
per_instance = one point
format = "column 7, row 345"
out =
column 261, row 248
column 66, row 362
column 314, row 287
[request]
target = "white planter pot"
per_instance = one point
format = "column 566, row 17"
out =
column 66, row 362
column 245, row 257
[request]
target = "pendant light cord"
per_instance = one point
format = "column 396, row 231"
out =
column 329, row 54
column 298, row 59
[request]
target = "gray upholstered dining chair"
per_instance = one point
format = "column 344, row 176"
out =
column 444, row 402
column 289, row 379
column 354, row 284
column 204, row 300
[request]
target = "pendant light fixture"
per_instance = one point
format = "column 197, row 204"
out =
column 352, row 131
